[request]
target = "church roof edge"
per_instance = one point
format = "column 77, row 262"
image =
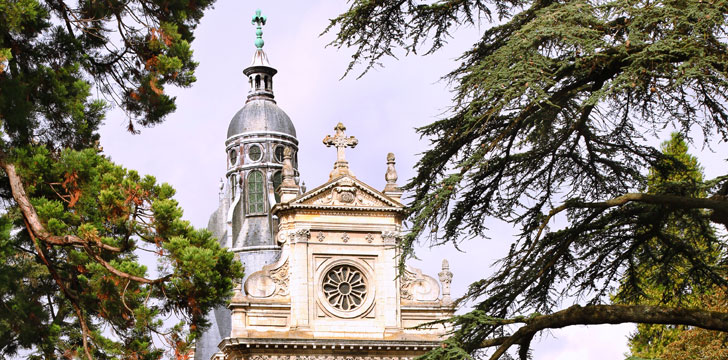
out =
column 390, row 205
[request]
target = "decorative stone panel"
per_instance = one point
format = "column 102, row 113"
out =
column 323, row 357
column 345, row 287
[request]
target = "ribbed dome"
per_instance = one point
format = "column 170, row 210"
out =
column 260, row 115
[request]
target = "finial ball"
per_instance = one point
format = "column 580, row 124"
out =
column 259, row 20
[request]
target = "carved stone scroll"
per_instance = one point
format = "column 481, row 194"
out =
column 268, row 282
column 273, row 280
column 417, row 286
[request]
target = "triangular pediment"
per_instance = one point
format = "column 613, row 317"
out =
column 346, row 192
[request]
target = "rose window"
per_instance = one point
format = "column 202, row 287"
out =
column 345, row 287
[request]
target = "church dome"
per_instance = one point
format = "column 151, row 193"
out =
column 261, row 115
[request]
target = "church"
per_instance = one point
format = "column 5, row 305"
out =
column 322, row 280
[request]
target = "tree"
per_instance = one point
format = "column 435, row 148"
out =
column 553, row 112
column 651, row 341
column 701, row 344
column 76, row 228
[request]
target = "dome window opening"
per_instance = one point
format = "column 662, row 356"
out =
column 233, row 186
column 257, row 82
column 277, row 180
column 255, row 193
column 255, row 153
column 279, row 153
column 266, row 84
column 233, row 155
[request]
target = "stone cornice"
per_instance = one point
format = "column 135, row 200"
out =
column 329, row 345
column 298, row 203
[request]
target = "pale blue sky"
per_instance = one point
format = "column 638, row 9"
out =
column 381, row 110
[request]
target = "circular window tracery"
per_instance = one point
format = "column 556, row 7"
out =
column 345, row 287
column 255, row 152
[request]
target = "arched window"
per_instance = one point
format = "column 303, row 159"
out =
column 233, row 154
column 233, row 186
column 257, row 82
column 277, row 180
column 255, row 193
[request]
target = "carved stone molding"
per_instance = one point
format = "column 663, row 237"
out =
column 417, row 286
column 301, row 235
column 324, row 357
column 370, row 238
column 390, row 237
column 321, row 236
column 280, row 278
column 345, row 237
column 347, row 195
column 272, row 281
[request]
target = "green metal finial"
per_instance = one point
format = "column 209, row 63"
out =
column 258, row 20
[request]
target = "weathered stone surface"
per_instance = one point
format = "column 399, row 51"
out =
column 321, row 266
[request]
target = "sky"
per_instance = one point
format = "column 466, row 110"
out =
column 381, row 109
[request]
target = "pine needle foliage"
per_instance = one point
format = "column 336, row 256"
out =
column 76, row 230
column 659, row 287
column 60, row 296
column 554, row 110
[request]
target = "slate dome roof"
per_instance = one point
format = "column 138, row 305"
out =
column 259, row 115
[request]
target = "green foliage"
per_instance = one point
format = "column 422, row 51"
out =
column 82, row 193
column 556, row 104
column 679, row 174
column 52, row 53
column 73, row 281
column 701, row 344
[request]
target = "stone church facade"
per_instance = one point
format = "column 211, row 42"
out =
column 322, row 280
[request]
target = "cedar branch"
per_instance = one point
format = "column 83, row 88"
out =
column 673, row 201
column 609, row 314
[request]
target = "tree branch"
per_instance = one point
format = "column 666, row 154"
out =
column 122, row 274
column 71, row 298
column 672, row 201
column 36, row 229
column 32, row 220
column 609, row 314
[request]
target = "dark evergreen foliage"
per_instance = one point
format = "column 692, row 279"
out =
column 554, row 111
column 651, row 341
column 74, row 227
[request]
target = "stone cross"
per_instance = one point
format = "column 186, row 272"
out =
column 341, row 142
column 259, row 20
